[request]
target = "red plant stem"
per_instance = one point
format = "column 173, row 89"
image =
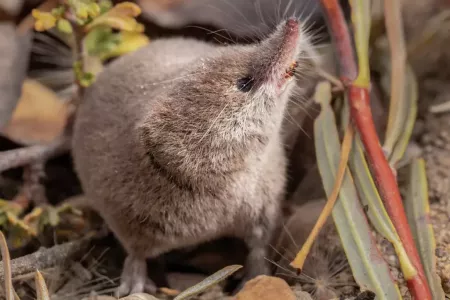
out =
column 341, row 37
column 362, row 117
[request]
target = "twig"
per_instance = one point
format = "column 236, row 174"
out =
column 362, row 117
column 45, row 258
column 32, row 189
column 33, row 174
column 77, row 49
column 24, row 156
column 440, row 108
column 331, row 78
column 345, row 152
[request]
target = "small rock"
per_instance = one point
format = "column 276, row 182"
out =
column 440, row 252
column 266, row 288
column 299, row 295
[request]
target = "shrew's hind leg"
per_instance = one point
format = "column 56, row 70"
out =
column 257, row 241
column 134, row 277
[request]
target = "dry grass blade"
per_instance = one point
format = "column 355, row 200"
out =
column 440, row 108
column 208, row 282
column 9, row 289
column 400, row 84
column 407, row 113
column 41, row 287
column 377, row 212
column 394, row 27
column 418, row 46
column 139, row 296
column 369, row 269
column 418, row 209
column 324, row 94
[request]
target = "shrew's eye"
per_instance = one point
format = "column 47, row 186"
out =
column 245, row 84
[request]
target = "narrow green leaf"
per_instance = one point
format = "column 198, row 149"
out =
column 404, row 116
column 408, row 114
column 369, row 269
column 208, row 282
column 100, row 39
column 64, row 26
column 377, row 213
column 417, row 211
column 361, row 23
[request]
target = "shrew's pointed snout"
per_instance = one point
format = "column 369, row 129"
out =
column 292, row 25
column 278, row 55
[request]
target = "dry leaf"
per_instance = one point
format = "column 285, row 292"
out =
column 39, row 117
column 41, row 287
column 265, row 288
column 44, row 20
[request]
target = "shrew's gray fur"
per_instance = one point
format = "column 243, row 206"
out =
column 171, row 152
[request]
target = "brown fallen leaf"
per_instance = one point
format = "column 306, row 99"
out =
column 169, row 292
column 265, row 288
column 40, row 116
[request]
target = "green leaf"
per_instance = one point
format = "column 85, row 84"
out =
column 361, row 23
column 44, row 20
column 417, row 211
column 404, row 116
column 64, row 26
column 93, row 10
column 105, row 5
column 208, row 282
column 58, row 12
column 377, row 213
column 121, row 16
column 87, row 79
column 370, row 270
column 101, row 40
column 128, row 42
column 10, row 206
